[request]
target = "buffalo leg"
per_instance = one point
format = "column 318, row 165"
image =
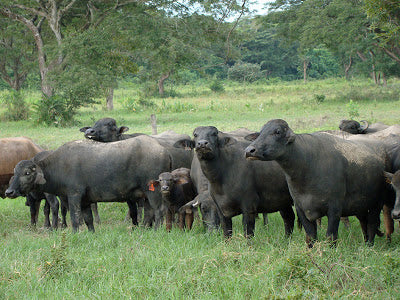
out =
column 88, row 217
column 96, row 213
column 388, row 221
column 148, row 214
column 363, row 224
column 189, row 218
column 74, row 204
column 181, row 220
column 168, row 219
column 249, row 221
column 227, row 226
column 33, row 208
column 46, row 211
column 310, row 227
column 64, row 209
column 52, row 201
column 333, row 225
column 133, row 211
column 288, row 217
column 265, row 219
column 372, row 225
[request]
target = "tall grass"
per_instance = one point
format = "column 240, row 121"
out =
column 120, row 262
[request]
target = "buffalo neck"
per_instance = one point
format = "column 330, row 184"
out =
column 297, row 157
column 211, row 168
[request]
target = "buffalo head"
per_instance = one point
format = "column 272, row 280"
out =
column 271, row 142
column 353, row 127
column 26, row 176
column 207, row 141
column 104, row 130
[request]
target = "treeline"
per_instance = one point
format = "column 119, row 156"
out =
column 76, row 51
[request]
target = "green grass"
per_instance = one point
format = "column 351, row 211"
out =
column 120, row 262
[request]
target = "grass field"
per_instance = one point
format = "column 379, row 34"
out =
column 119, row 262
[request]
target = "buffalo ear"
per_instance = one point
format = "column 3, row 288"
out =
column 83, row 129
column 290, row 136
column 252, row 136
column 389, row 177
column 122, row 129
column 153, row 183
column 185, row 144
column 226, row 141
column 39, row 177
column 181, row 180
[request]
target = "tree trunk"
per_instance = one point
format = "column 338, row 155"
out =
column 347, row 68
column 161, row 83
column 305, row 65
column 384, row 79
column 110, row 98
column 153, row 120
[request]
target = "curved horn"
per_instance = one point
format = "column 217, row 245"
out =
column 363, row 129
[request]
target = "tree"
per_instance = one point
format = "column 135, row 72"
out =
column 385, row 16
column 187, row 40
column 341, row 25
column 262, row 46
column 16, row 53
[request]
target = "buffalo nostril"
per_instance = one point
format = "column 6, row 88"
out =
column 9, row 193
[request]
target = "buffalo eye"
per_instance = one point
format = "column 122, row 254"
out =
column 277, row 131
column 195, row 134
column 27, row 173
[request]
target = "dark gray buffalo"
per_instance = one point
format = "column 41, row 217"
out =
column 87, row 172
column 354, row 127
column 106, row 130
column 239, row 186
column 327, row 176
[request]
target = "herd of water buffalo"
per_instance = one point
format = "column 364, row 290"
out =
column 354, row 171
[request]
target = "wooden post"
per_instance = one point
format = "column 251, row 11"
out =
column 153, row 120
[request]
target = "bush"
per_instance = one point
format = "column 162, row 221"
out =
column 55, row 110
column 352, row 109
column 17, row 109
column 133, row 104
column 245, row 72
column 217, row 86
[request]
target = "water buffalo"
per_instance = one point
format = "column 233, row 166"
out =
column 326, row 176
column 86, row 172
column 106, row 130
column 354, row 127
column 238, row 186
column 176, row 189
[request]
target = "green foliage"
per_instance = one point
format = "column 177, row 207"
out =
column 17, row 109
column 319, row 98
column 353, row 109
column 177, row 107
column 385, row 17
column 217, row 86
column 54, row 111
column 138, row 104
column 245, row 72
